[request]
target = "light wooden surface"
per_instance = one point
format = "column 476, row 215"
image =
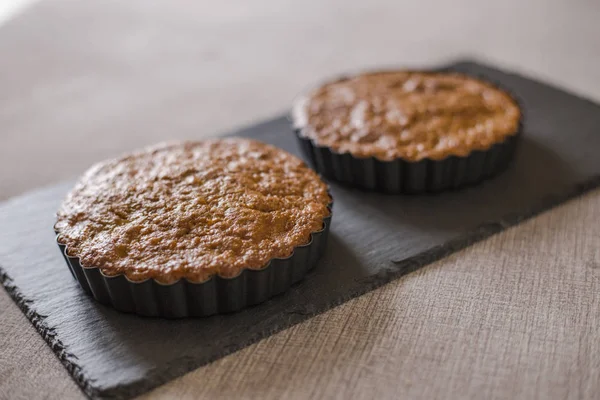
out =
column 516, row 316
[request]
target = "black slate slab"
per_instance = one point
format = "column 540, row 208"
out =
column 374, row 239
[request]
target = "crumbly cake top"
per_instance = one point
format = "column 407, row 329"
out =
column 192, row 210
column 407, row 115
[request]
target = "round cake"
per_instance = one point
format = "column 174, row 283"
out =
column 407, row 131
column 192, row 210
column 408, row 115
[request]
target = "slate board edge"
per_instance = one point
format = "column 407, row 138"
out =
column 48, row 334
column 398, row 268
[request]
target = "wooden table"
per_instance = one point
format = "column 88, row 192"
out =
column 515, row 316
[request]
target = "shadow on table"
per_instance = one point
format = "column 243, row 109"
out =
column 145, row 352
column 536, row 173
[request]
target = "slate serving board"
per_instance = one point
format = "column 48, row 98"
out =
column 374, row 238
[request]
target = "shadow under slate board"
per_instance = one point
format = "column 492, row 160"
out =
column 374, row 239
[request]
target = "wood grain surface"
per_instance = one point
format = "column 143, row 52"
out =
column 513, row 317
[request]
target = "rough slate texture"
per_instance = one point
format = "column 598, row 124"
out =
column 375, row 238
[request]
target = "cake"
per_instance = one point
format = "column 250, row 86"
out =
column 191, row 211
column 404, row 118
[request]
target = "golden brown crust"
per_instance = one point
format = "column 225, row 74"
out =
column 192, row 209
column 407, row 115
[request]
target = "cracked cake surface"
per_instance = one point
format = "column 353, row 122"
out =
column 192, row 210
column 409, row 115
